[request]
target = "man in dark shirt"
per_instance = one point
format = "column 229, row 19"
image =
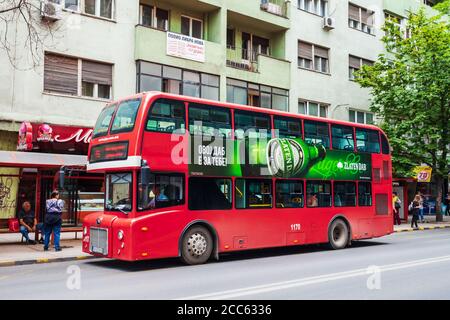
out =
column 28, row 222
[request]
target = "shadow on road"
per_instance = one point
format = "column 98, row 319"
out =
column 148, row 265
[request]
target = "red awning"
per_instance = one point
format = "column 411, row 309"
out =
column 38, row 160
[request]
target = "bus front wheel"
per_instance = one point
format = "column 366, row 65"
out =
column 338, row 234
column 197, row 245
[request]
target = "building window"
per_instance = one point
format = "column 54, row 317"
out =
column 319, row 7
column 256, row 95
column 157, row 77
column 313, row 57
column 231, row 38
column 400, row 22
column 360, row 18
column 61, row 75
column 315, row 109
column 152, row 17
column 192, row 27
column 100, row 8
column 360, row 117
column 355, row 63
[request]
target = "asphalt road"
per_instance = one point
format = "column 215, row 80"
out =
column 412, row 265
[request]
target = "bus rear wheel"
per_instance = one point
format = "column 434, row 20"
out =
column 196, row 246
column 338, row 234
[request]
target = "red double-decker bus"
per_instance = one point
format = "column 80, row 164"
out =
column 195, row 178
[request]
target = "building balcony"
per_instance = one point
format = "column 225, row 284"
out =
column 256, row 67
column 270, row 15
column 152, row 45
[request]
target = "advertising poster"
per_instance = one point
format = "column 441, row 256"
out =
column 283, row 158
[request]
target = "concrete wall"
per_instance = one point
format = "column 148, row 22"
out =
column 335, row 88
column 21, row 91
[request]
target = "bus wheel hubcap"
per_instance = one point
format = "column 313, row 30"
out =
column 197, row 244
column 338, row 234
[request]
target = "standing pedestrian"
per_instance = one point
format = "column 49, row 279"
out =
column 415, row 207
column 421, row 210
column 396, row 205
column 53, row 220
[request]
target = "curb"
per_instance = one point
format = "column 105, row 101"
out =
column 9, row 263
column 421, row 229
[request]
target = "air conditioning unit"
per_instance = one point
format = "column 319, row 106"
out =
column 264, row 4
column 329, row 23
column 51, row 11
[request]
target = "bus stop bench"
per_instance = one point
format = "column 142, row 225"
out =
column 75, row 230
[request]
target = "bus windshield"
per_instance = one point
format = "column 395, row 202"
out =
column 103, row 121
column 118, row 192
column 125, row 116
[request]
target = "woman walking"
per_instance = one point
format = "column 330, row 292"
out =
column 415, row 208
column 52, row 220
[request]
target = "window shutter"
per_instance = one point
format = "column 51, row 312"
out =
column 354, row 62
column 60, row 74
column 367, row 62
column 367, row 17
column 305, row 50
column 353, row 12
column 321, row 52
column 95, row 72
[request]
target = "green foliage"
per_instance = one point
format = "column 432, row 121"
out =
column 410, row 85
column 443, row 6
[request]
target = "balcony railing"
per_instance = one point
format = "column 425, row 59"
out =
column 278, row 7
column 243, row 58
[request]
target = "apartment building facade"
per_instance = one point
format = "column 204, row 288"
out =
column 296, row 56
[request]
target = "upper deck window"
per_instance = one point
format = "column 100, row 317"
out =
column 317, row 133
column 209, row 120
column 251, row 124
column 288, row 127
column 342, row 138
column 103, row 121
column 166, row 116
column 367, row 141
column 126, row 116
column 385, row 145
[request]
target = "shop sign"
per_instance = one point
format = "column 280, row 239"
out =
column 186, row 47
column 43, row 137
column 423, row 173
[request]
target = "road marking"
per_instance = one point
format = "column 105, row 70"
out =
column 235, row 293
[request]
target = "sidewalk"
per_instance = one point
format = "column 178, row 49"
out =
column 12, row 252
column 430, row 224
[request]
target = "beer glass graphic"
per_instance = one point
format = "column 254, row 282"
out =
column 288, row 158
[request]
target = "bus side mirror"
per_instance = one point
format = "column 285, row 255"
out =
column 145, row 174
column 62, row 174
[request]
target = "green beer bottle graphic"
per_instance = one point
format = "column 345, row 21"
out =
column 290, row 157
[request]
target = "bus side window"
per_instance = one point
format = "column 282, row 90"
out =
column 318, row 194
column 317, row 133
column 166, row 116
column 344, row 194
column 385, row 149
column 288, row 127
column 208, row 120
column 253, row 193
column 251, row 124
column 289, row 194
column 364, row 194
column 209, row 193
column 342, row 138
column 367, row 141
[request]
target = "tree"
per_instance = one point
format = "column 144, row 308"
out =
column 443, row 6
column 15, row 14
column 410, row 86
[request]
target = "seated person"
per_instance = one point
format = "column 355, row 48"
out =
column 312, row 200
column 158, row 196
column 28, row 222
